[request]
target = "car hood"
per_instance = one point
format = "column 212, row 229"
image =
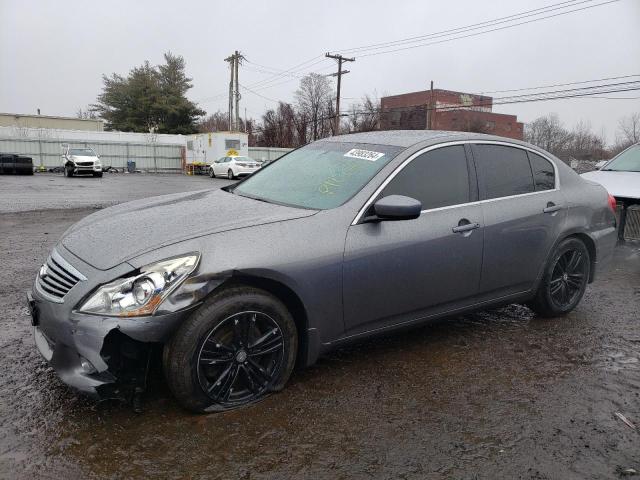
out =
column 618, row 184
column 116, row 234
column 81, row 158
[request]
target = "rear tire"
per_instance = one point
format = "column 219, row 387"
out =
column 564, row 280
column 239, row 346
column 230, row 175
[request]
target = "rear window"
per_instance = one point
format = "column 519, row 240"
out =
column 505, row 171
column 544, row 175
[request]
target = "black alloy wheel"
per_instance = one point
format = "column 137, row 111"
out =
column 238, row 347
column 240, row 358
column 569, row 278
column 564, row 279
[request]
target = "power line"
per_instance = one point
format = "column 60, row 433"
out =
column 260, row 95
column 485, row 31
column 474, row 26
column 560, row 84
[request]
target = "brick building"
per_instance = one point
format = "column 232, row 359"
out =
column 456, row 111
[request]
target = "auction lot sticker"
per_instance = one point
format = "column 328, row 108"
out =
column 364, row 154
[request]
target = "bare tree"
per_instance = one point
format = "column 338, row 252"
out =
column 365, row 115
column 629, row 130
column 548, row 133
column 583, row 144
column 312, row 97
column 86, row 114
column 216, row 122
column 279, row 127
column 302, row 128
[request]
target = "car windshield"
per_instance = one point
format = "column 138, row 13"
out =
column 82, row 152
column 627, row 161
column 320, row 176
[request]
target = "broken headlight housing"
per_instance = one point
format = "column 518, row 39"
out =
column 140, row 294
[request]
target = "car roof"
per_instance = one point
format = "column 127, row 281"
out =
column 409, row 138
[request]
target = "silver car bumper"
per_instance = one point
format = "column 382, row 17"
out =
column 97, row 355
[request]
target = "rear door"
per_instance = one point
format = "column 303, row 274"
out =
column 396, row 271
column 523, row 213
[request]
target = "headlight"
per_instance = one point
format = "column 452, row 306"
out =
column 140, row 294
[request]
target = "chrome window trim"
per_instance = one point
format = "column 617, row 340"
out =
column 400, row 167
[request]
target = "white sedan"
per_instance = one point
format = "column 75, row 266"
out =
column 233, row 167
column 621, row 177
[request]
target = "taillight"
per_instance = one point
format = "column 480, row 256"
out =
column 612, row 203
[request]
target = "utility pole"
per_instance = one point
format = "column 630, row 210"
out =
column 432, row 109
column 339, row 74
column 234, row 90
column 237, row 125
column 432, row 113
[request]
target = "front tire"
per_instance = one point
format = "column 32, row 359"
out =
column 239, row 346
column 212, row 174
column 97, row 174
column 564, row 280
column 68, row 171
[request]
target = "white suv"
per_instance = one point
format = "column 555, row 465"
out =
column 233, row 167
column 81, row 161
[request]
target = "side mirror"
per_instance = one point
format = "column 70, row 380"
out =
column 396, row 207
column 601, row 164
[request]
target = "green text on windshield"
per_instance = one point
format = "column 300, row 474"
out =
column 320, row 176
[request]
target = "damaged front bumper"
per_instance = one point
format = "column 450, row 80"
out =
column 103, row 357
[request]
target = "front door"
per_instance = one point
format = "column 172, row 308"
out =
column 398, row 271
column 219, row 166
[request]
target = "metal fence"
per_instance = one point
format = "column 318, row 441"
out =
column 149, row 154
column 267, row 153
column 47, row 152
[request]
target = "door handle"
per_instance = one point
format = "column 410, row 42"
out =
column 467, row 227
column 551, row 207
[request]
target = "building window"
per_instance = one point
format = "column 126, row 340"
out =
column 232, row 144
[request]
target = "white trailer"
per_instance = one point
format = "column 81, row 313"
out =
column 205, row 148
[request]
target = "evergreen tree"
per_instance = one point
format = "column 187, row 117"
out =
column 149, row 98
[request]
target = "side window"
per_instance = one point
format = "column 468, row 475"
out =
column 544, row 176
column 438, row 178
column 505, row 170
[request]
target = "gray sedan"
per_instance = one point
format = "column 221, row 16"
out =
column 339, row 240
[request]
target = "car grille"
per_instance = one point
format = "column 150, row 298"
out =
column 84, row 164
column 57, row 277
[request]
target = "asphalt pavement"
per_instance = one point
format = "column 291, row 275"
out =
column 496, row 394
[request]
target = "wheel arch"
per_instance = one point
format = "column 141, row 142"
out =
column 591, row 248
column 291, row 301
column 588, row 242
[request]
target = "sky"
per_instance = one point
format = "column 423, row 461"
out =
column 53, row 53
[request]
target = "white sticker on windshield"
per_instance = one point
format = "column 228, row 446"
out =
column 364, row 154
